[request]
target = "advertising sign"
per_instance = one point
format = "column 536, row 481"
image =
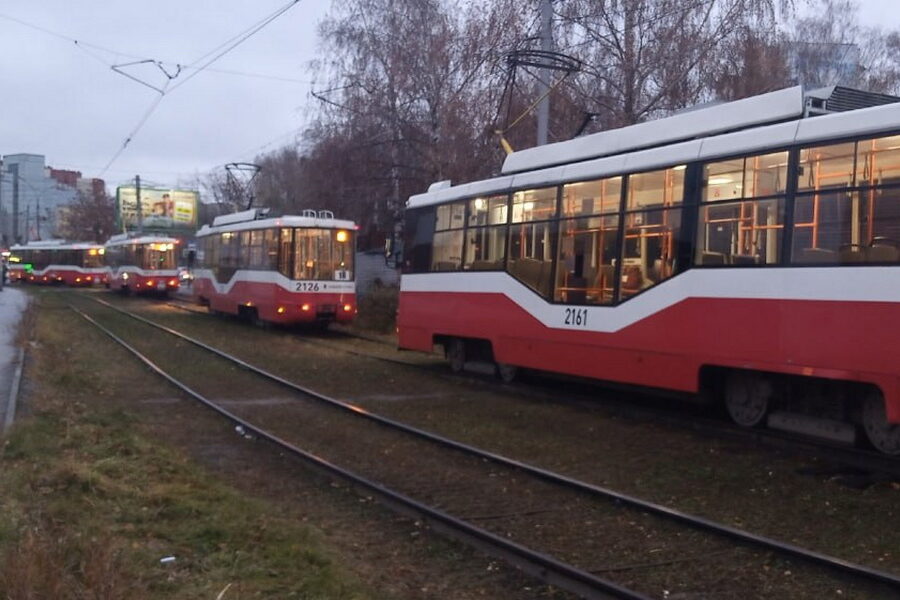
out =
column 161, row 209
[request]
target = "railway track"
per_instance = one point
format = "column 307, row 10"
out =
column 861, row 466
column 554, row 502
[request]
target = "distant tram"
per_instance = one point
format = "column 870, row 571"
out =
column 57, row 262
column 749, row 251
column 144, row 264
column 290, row 269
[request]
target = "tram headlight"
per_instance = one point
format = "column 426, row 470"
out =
column 348, row 307
column 305, row 307
column 342, row 236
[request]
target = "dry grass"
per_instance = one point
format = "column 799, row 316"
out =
column 378, row 310
column 89, row 505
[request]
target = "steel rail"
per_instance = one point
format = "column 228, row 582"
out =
column 848, row 457
column 540, row 565
column 702, row 523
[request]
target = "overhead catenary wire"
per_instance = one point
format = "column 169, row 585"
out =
column 220, row 51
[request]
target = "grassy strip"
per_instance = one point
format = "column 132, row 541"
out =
column 89, row 506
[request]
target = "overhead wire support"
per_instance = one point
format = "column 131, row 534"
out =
column 544, row 59
column 228, row 45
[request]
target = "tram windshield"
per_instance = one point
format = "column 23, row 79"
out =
column 159, row 256
column 92, row 258
column 324, row 254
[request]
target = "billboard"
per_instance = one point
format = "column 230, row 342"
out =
column 161, row 209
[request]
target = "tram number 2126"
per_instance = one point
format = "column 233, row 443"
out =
column 307, row 286
column 576, row 316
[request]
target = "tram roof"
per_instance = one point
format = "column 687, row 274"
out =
column 126, row 239
column 542, row 166
column 55, row 245
column 285, row 221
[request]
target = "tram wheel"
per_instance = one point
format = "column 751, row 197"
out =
column 747, row 397
column 456, row 354
column 507, row 373
column 884, row 436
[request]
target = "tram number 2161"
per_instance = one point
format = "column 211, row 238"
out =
column 576, row 316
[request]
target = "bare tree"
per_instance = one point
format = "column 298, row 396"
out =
column 92, row 217
column 646, row 58
column 414, row 86
column 829, row 47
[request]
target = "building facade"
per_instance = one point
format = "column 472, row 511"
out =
column 34, row 195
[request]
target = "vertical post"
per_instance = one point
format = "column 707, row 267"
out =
column 138, row 205
column 14, row 171
column 543, row 116
column 37, row 218
column 27, row 219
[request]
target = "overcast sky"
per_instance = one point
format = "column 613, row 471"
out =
column 67, row 103
column 64, row 101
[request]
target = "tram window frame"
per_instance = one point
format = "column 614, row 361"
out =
column 270, row 249
column 257, row 248
column 418, row 238
column 848, row 212
column 523, row 234
column 449, row 236
column 244, row 249
column 286, row 252
column 761, row 248
column 644, row 220
column 572, row 286
column 486, row 232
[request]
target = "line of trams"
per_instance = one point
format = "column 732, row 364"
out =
column 287, row 270
column 744, row 252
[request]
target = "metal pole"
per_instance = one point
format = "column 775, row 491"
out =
column 14, row 170
column 543, row 116
column 140, row 208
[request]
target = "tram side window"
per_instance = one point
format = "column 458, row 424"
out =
column 257, row 249
column 588, row 246
column 878, row 161
column 652, row 229
column 741, row 218
column 418, row 234
column 532, row 241
column 270, row 250
column 244, row 250
column 447, row 247
column 285, row 247
column 486, row 234
column 834, row 224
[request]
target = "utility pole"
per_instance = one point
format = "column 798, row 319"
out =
column 140, row 208
column 37, row 219
column 14, row 171
column 543, row 116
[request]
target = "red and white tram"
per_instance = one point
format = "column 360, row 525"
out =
column 57, row 262
column 290, row 269
column 144, row 264
column 747, row 250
